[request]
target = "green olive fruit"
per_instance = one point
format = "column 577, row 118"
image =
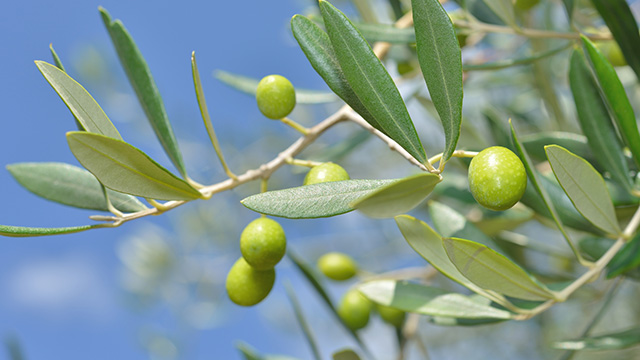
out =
column 526, row 4
column 391, row 315
column 337, row 266
column 611, row 50
column 276, row 97
column 247, row 286
column 324, row 173
column 354, row 310
column 263, row 243
column 497, row 178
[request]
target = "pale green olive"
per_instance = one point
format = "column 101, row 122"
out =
column 263, row 243
column 247, row 286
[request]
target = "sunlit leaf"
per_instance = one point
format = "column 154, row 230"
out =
column 144, row 86
column 70, row 185
column 124, row 168
column 585, row 187
column 83, row 107
column 452, row 321
column 612, row 341
column 371, row 82
column 313, row 201
column 615, row 98
column 22, row 231
column 492, row 271
column 316, row 45
column 441, row 64
column 427, row 300
column 594, row 120
column 398, row 197
column 249, row 86
column 619, row 18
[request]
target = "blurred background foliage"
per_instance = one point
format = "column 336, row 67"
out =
column 175, row 265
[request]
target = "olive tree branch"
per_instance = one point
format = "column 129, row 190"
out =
column 530, row 33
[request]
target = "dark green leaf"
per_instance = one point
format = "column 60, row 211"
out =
column 441, row 64
column 398, row 197
column 576, row 143
column 346, row 354
column 317, row 47
column 306, row 330
column 427, row 300
column 21, row 231
column 371, row 82
column 568, row 5
column 249, row 85
column 144, row 86
column 612, row 341
column 585, row 187
column 83, row 107
column 492, row 271
column 627, row 259
column 313, row 279
column 615, row 98
column 56, row 58
column 594, row 120
column 70, row 185
column 124, row 168
column 313, row 201
column 619, row 18
column 428, row 244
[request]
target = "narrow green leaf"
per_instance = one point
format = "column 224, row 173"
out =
column 493, row 271
column 346, row 354
column 83, row 107
column 451, row 223
column 313, row 279
column 306, row 330
column 387, row 33
column 576, row 143
column 124, row 168
column 428, row 244
column 613, row 341
column 427, row 300
column 21, row 231
column 507, row 63
column 371, row 82
column 144, row 86
column 398, row 197
column 316, row 45
column 594, row 120
column 568, row 5
column 249, row 85
column 441, row 63
column 452, row 321
column 622, row 24
column 585, row 187
column 504, row 10
column 615, row 98
column 56, row 58
column 70, row 185
column 313, row 201
column 627, row 259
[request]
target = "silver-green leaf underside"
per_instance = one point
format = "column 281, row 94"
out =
column 22, row 231
column 612, row 341
column 70, row 185
column 124, row 168
column 313, row 201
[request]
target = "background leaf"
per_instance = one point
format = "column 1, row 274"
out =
column 83, row 107
column 145, row 87
column 594, row 120
column 504, row 10
column 627, row 259
column 427, row 300
column 22, row 231
column 249, row 86
column 585, row 187
column 441, row 64
column 612, row 341
column 624, row 28
column 398, row 197
column 316, row 45
column 306, row 330
column 615, row 98
column 70, row 185
column 313, row 201
column 56, row 58
column 124, row 168
column 346, row 354
column 371, row 82
column 492, row 271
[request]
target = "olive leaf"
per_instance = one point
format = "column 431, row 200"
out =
column 22, row 231
column 612, row 341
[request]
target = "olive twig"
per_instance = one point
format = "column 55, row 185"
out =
column 530, row 33
column 304, row 163
column 301, row 129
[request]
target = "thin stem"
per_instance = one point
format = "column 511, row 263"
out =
column 530, row 33
column 301, row 129
column 202, row 104
column 304, row 163
column 457, row 153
